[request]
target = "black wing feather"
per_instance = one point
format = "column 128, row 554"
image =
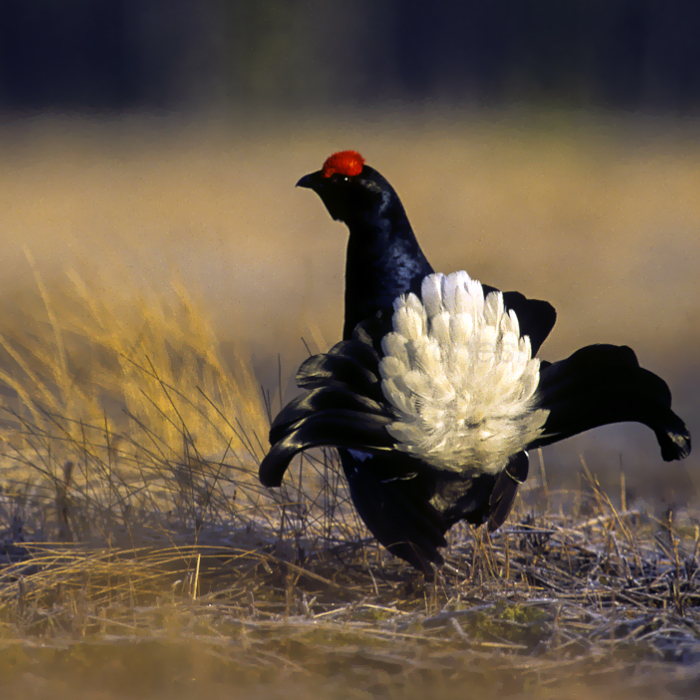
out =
column 604, row 384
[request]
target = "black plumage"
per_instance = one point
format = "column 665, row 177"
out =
column 406, row 502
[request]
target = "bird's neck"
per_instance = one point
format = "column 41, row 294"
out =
column 384, row 260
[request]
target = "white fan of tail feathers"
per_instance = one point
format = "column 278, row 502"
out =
column 460, row 376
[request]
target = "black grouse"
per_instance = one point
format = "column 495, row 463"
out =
column 433, row 397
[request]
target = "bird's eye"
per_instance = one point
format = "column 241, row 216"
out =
column 339, row 177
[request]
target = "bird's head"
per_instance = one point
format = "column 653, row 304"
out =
column 353, row 192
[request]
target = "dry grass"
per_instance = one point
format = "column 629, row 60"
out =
column 139, row 557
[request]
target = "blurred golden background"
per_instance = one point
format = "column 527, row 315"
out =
column 598, row 214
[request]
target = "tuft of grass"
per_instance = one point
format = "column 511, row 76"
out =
column 123, row 423
column 84, row 348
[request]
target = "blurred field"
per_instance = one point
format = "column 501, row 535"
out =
column 153, row 272
column 598, row 214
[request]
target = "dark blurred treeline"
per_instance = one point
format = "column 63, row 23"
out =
column 173, row 54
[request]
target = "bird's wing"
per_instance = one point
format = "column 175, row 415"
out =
column 602, row 384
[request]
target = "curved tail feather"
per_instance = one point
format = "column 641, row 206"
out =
column 329, row 428
column 506, row 489
column 349, row 362
column 322, row 398
column 342, row 407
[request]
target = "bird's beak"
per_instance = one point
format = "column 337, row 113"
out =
column 311, row 181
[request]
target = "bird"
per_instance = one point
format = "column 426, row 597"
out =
column 435, row 396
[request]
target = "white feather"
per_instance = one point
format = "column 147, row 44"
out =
column 459, row 376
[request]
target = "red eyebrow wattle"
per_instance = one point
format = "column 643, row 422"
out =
column 344, row 163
